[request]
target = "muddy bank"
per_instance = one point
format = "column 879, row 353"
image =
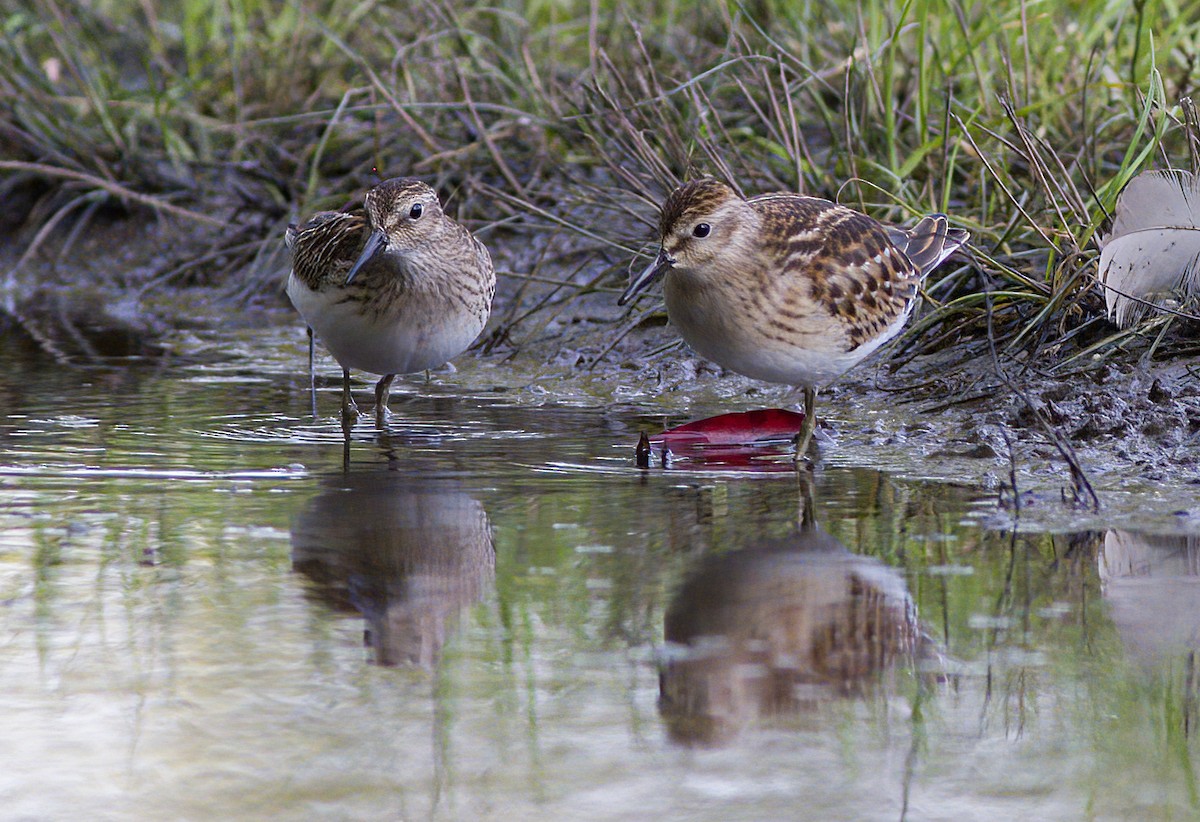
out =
column 89, row 281
column 1132, row 426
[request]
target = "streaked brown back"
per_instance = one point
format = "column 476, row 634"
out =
column 840, row 259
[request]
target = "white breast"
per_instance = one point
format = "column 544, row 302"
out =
column 417, row 335
column 811, row 354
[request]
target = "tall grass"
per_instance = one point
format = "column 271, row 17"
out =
column 565, row 123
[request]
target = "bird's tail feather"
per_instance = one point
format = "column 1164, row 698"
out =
column 931, row 241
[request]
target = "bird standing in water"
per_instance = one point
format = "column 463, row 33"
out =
column 398, row 289
column 787, row 288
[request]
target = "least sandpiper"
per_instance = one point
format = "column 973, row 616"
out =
column 786, row 288
column 398, row 289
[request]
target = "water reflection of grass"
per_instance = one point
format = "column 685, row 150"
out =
column 182, row 595
column 1022, row 620
column 1037, row 697
column 1052, row 674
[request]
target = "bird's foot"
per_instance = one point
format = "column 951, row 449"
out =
column 803, row 440
column 382, row 415
column 349, row 413
column 824, row 435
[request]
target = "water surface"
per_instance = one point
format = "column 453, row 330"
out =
column 491, row 613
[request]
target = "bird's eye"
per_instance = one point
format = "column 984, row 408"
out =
column 701, row 230
column 415, row 211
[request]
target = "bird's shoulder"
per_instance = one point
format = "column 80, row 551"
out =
column 326, row 245
column 808, row 237
column 839, row 261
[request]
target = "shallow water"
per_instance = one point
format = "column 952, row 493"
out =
column 491, row 613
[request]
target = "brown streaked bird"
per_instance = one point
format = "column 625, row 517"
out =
column 787, row 288
column 397, row 289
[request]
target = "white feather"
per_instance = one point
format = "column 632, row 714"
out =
column 1153, row 248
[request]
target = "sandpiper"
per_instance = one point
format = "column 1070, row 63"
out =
column 397, row 289
column 787, row 288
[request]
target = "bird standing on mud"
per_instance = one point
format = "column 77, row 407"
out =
column 399, row 289
column 787, row 288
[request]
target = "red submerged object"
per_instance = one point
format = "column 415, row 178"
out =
column 733, row 439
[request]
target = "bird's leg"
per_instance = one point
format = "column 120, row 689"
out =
column 810, row 421
column 382, row 389
column 312, row 374
column 349, row 409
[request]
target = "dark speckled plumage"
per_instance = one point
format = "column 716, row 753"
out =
column 325, row 247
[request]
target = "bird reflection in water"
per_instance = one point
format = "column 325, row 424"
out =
column 1152, row 585
column 767, row 630
column 410, row 555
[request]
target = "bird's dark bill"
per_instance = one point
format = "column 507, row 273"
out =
column 375, row 241
column 652, row 272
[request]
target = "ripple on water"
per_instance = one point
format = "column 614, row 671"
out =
column 139, row 473
column 299, row 432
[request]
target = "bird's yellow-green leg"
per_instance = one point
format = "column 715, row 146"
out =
column 349, row 409
column 312, row 374
column 804, row 438
column 382, row 389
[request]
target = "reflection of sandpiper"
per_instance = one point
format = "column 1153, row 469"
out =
column 1152, row 585
column 409, row 556
column 764, row 630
